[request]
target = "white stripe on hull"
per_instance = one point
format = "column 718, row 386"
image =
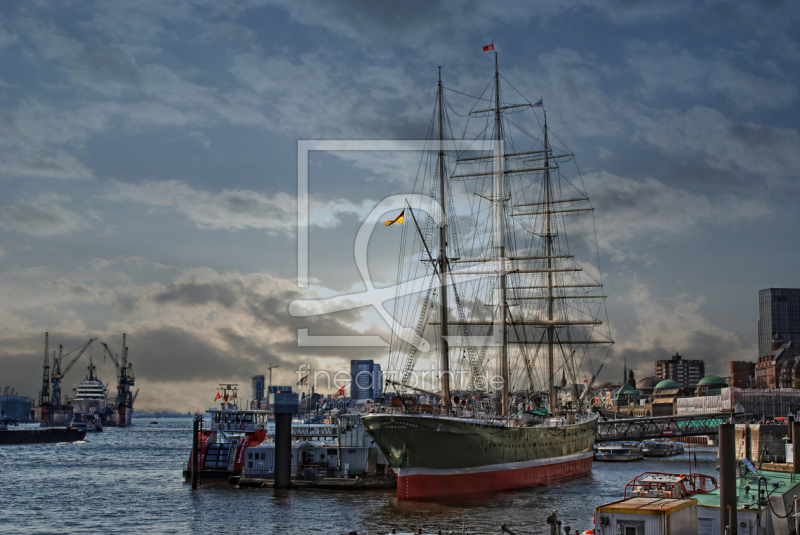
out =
column 402, row 472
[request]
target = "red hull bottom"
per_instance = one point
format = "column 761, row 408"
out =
column 426, row 486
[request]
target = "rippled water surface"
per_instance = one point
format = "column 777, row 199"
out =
column 129, row 481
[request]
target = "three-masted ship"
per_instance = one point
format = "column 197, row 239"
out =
column 505, row 270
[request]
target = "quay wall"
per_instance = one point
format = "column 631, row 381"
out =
column 751, row 439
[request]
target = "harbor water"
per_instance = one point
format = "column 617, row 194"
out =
column 129, row 480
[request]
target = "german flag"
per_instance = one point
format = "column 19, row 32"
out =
column 398, row 219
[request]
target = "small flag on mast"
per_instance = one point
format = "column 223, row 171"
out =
column 218, row 396
column 339, row 393
column 538, row 104
column 303, row 381
column 488, row 47
column 398, row 219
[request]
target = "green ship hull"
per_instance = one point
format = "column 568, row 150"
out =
column 439, row 456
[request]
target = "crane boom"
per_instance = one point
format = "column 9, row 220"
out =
column 112, row 355
column 81, row 352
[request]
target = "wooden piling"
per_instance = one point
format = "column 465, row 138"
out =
column 727, row 478
column 283, row 450
column 195, row 450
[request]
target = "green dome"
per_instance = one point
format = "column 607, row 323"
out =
column 712, row 380
column 626, row 390
column 667, row 384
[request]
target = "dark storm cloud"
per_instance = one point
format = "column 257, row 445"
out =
column 79, row 290
column 409, row 21
column 191, row 294
column 170, row 354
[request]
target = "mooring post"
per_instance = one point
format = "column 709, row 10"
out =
column 195, row 450
column 795, row 449
column 727, row 478
column 283, row 450
column 553, row 522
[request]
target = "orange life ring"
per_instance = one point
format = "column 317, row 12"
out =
column 243, row 427
column 222, row 427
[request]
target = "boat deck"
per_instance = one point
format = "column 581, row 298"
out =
column 786, row 483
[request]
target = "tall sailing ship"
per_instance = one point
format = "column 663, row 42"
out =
column 504, row 268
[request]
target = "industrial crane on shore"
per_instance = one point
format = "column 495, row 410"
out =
column 125, row 377
column 52, row 411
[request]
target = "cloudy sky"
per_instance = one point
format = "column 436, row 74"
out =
column 148, row 169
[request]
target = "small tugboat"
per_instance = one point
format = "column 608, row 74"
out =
column 618, row 451
column 665, row 485
column 661, row 448
column 89, row 422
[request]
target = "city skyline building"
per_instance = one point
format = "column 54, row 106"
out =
column 282, row 399
column 686, row 373
column 778, row 315
column 258, row 391
column 366, row 380
column 742, row 374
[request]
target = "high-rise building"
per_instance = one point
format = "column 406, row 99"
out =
column 366, row 380
column 258, row 391
column 778, row 316
column 686, row 373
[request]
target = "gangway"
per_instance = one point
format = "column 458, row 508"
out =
column 666, row 426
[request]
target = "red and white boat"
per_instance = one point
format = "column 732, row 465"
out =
column 223, row 438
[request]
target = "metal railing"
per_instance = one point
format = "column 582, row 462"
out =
column 666, row 426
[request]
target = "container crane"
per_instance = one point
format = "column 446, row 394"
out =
column 57, row 374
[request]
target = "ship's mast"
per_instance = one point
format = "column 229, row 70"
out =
column 500, row 247
column 443, row 346
column 549, row 240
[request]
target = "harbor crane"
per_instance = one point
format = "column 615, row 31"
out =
column 57, row 374
column 125, row 376
column 44, row 395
